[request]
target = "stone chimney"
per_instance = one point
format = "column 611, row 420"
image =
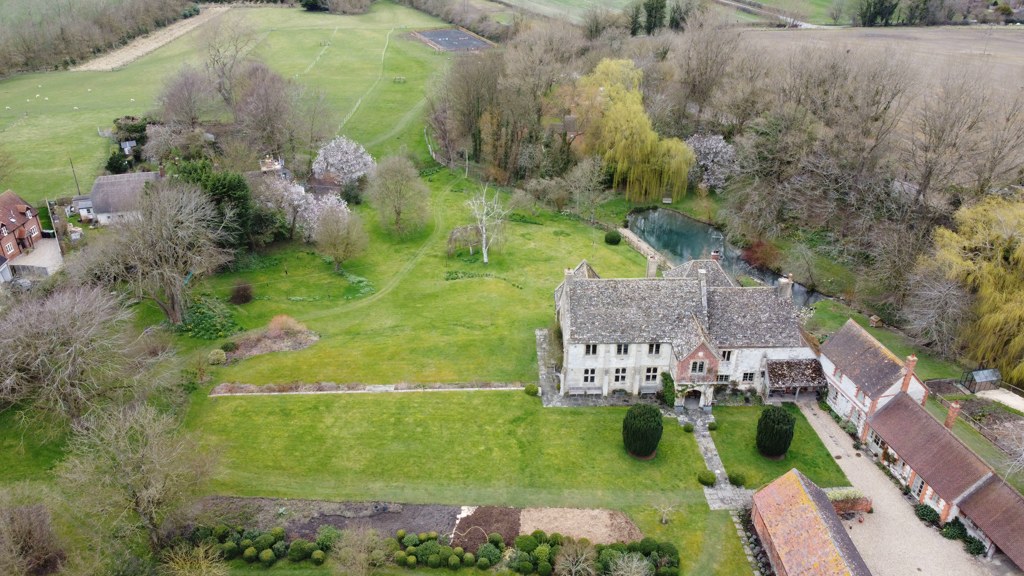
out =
column 785, row 288
column 954, row 411
column 652, row 267
column 908, row 374
column 716, row 255
column 702, row 275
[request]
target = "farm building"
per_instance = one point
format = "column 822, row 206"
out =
column 801, row 532
column 116, row 195
column 863, row 375
column 695, row 323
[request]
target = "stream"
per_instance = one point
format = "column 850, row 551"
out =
column 680, row 238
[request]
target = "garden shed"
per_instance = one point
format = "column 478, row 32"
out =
column 979, row 380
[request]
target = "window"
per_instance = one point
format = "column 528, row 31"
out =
column 697, row 367
column 591, row 350
column 651, row 375
column 622, row 349
column 726, row 355
column 722, row 378
column 654, row 349
column 32, row 231
column 620, row 375
column 9, row 247
column 748, row 376
column 588, row 375
column 3, row 231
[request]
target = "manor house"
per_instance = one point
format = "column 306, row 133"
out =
column 695, row 323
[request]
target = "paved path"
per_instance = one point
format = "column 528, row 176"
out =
column 1004, row 397
column 892, row 540
column 723, row 495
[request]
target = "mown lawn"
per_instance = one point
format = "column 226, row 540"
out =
column 463, row 448
column 736, row 443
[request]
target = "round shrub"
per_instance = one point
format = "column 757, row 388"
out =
column 468, row 559
column 217, row 356
column 974, row 546
column 526, row 543
column 300, row 550
column 432, row 535
column 220, row 532
column 423, row 536
column 556, row 539
column 775, row 431
column 433, row 561
column 482, row 564
column 229, row 550
column 459, row 551
column 280, row 549
column 497, row 540
column 400, row 535
column 712, row 426
column 410, row 561
column 267, row 558
column 250, row 555
column 318, row 557
column 241, row 293
column 607, row 557
column 445, row 553
column 641, row 430
column 954, row 530
column 229, row 346
column 633, row 546
column 688, row 427
column 377, row 557
column 542, row 553
column 264, row 542
column 737, row 479
column 454, row 562
column 245, row 543
column 400, row 558
column 926, row 513
column 524, row 567
column 540, row 536
column 668, row 552
column 428, row 549
column 411, row 550
column 531, row 390
column 544, row 569
column 648, row 546
column 489, row 552
column 277, row 533
column 410, row 540
column 612, row 237
column 706, row 478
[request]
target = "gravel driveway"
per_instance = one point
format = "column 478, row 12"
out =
column 892, row 540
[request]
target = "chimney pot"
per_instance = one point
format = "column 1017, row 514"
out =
column 951, row 416
column 908, row 374
column 785, row 288
column 716, row 255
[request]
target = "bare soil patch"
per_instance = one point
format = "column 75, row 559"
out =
column 265, row 343
column 598, row 526
column 302, row 518
column 472, row 530
column 141, row 46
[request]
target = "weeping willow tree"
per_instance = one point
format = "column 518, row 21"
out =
column 611, row 110
column 986, row 254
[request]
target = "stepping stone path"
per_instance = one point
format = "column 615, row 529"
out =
column 723, row 495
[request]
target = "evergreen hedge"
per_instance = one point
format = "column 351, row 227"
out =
column 775, row 431
column 641, row 430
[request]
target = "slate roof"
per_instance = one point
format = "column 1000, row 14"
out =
column 119, row 192
column 13, row 210
column 804, row 530
column 716, row 276
column 784, row 373
column 871, row 366
column 752, row 317
column 945, row 463
column 998, row 510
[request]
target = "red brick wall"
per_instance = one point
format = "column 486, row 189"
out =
column 852, row 505
column 710, row 366
column 11, row 239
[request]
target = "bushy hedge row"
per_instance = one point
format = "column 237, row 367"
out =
column 265, row 547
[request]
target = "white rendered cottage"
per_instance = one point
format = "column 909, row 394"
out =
column 863, row 375
column 694, row 323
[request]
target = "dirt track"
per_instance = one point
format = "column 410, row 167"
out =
column 144, row 45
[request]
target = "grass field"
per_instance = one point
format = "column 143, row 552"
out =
column 53, row 117
column 463, row 448
column 736, row 443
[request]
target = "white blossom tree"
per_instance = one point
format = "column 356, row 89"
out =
column 716, row 159
column 314, row 210
column 339, row 234
column 343, row 160
column 489, row 213
column 287, row 198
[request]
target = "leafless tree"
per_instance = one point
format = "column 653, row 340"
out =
column 264, row 107
column 314, row 121
column 28, row 543
column 664, row 509
column 175, row 237
column 632, row 564
column 1000, row 153
column 471, row 85
column 354, row 554
column 133, row 467
column 74, row 354
column 586, row 185
column 707, row 48
column 339, row 234
column 188, row 560
column 398, row 194
column 186, row 98
column 576, row 558
column 489, row 214
column 226, row 41
column 836, row 11
column 937, row 309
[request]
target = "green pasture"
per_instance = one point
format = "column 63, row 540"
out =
column 736, row 440
column 51, row 119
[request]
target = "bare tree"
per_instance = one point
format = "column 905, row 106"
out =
column 132, row 467
column 489, row 214
column 359, row 552
column 175, row 237
column 186, row 98
column 1000, row 153
column 73, row 354
column 586, row 185
column 339, row 234
column 187, row 560
column 664, row 509
column 226, row 41
column 314, row 123
column 938, row 308
column 576, row 558
column 28, row 543
column 632, row 564
column 836, row 11
column 708, row 47
column 264, row 107
column 398, row 194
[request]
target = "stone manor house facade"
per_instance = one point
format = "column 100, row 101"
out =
column 619, row 335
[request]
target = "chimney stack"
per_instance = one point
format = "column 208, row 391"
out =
column 702, row 275
column 652, row 267
column 909, row 366
column 954, row 411
column 785, row 288
column 716, row 255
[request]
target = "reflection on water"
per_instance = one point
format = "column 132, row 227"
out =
column 680, row 239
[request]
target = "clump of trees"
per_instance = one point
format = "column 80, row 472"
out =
column 641, row 430
column 775, row 431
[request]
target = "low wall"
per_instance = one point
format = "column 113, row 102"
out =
column 644, row 248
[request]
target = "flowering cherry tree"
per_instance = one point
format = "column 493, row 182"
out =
column 317, row 210
column 343, row 160
column 716, row 159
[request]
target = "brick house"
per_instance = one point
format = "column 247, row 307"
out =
column 942, row 472
column 20, row 229
column 801, row 532
column 863, row 375
column 694, row 323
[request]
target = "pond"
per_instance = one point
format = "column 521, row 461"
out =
column 680, row 238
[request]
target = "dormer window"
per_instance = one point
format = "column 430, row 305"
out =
column 28, row 213
column 3, row 231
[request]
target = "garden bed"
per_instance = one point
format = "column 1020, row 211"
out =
column 472, row 530
column 265, row 343
column 598, row 526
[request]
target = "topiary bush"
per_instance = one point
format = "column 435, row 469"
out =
column 300, row 549
column 250, row 555
column 400, row 558
column 612, row 237
column 668, row 389
column 482, row 564
column 544, row 569
column 775, row 431
column 326, row 536
column 280, row 549
column 318, row 557
column 668, row 553
column 267, row 558
column 410, row 561
column 497, row 540
column 556, row 539
column 427, row 549
column 229, row 550
column 277, row 533
column 648, row 546
column 954, row 530
column 454, row 562
column 524, row 567
column 526, row 543
column 489, row 552
column 263, row 542
column 400, row 535
column 542, row 553
column 688, row 427
column 641, row 430
column 706, row 478
column 531, row 390
column 737, row 479
column 926, row 513
column 458, row 551
column 411, row 540
column 468, row 559
column 712, row 426
column 446, row 553
column 433, row 560
column 217, row 357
